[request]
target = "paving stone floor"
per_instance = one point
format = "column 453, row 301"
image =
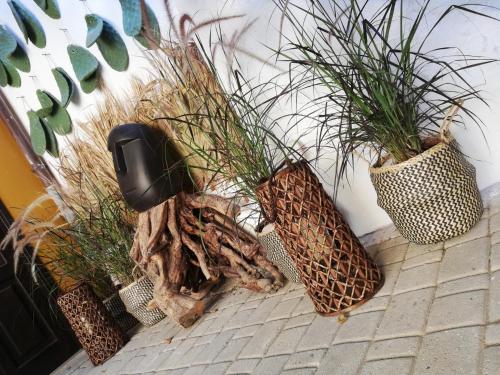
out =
column 438, row 313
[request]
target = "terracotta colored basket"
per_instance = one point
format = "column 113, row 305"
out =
column 97, row 331
column 332, row 264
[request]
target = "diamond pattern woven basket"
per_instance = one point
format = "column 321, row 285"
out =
column 136, row 297
column 97, row 331
column 332, row 264
column 431, row 197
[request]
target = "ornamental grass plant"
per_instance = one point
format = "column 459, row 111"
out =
column 383, row 89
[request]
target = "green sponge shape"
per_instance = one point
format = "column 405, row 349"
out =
column 13, row 77
column 85, row 66
column 29, row 25
column 132, row 16
column 90, row 84
column 65, row 85
column 50, row 8
column 58, row 120
column 150, row 37
column 50, row 137
column 4, row 79
column 12, row 52
column 113, row 48
column 95, row 25
column 45, row 102
column 37, row 133
column 8, row 42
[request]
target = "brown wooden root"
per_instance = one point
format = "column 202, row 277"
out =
column 187, row 243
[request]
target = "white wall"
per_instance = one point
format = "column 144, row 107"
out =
column 357, row 199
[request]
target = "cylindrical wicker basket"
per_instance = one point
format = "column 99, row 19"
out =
column 431, row 197
column 136, row 297
column 118, row 310
column 98, row 333
column 332, row 264
column 276, row 253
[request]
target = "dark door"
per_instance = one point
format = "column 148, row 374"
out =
column 34, row 337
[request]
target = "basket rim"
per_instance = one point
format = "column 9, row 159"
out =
column 287, row 169
column 412, row 161
column 134, row 283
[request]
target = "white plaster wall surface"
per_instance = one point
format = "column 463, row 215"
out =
column 356, row 199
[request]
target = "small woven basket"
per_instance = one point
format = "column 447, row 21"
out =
column 332, row 264
column 433, row 196
column 277, row 254
column 118, row 311
column 98, row 333
column 136, row 297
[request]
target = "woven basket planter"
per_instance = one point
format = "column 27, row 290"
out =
column 99, row 334
column 118, row 310
column 332, row 264
column 277, row 254
column 136, row 297
column 431, row 197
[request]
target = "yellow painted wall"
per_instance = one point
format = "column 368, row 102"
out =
column 19, row 185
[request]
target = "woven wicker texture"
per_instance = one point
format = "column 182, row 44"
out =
column 332, row 264
column 432, row 197
column 277, row 254
column 97, row 331
column 116, row 307
column 136, row 297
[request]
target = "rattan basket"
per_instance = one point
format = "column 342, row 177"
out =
column 98, row 333
column 136, row 297
column 119, row 312
column 332, row 264
column 276, row 253
column 433, row 196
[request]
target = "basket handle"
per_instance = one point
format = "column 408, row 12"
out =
column 448, row 120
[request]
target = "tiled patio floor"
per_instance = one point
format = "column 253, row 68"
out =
column 438, row 313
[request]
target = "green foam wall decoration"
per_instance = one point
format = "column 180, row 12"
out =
column 52, row 145
column 65, row 85
column 95, row 25
column 4, row 79
column 132, row 17
column 46, row 104
column 152, row 38
column 28, row 23
column 50, row 7
column 37, row 133
column 8, row 42
column 20, row 59
column 13, row 77
column 59, row 120
column 113, row 48
column 85, row 66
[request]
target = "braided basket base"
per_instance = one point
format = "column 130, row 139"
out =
column 334, row 267
column 97, row 331
column 431, row 197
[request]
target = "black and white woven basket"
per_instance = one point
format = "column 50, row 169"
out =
column 277, row 254
column 136, row 297
column 118, row 311
column 431, row 197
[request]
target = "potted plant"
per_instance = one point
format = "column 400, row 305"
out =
column 243, row 153
column 385, row 95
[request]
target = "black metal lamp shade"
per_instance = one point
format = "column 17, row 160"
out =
column 146, row 172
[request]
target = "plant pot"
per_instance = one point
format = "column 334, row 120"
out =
column 98, row 333
column 136, row 297
column 118, row 311
column 331, row 262
column 431, row 197
column 276, row 253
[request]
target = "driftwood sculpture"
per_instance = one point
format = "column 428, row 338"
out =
column 188, row 244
